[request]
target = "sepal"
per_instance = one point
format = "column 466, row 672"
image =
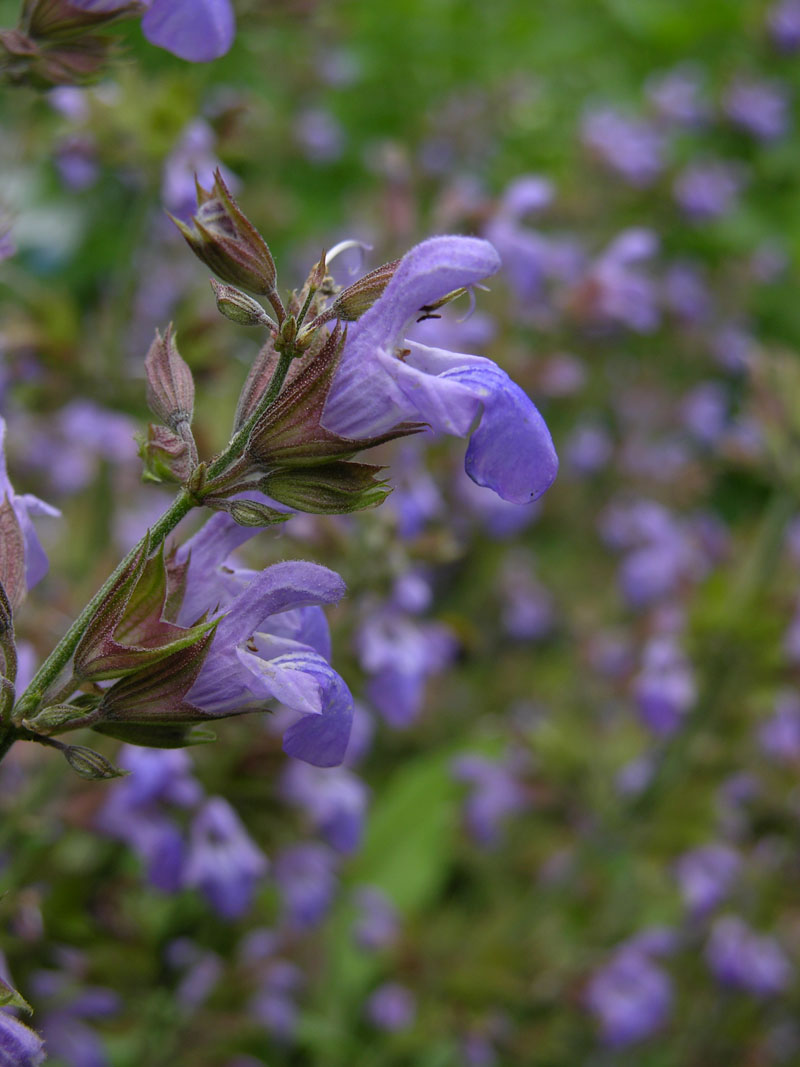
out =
column 222, row 236
column 165, row 456
column 249, row 512
column 54, row 20
column 290, row 434
column 238, row 306
column 332, row 489
column 170, row 386
column 90, row 764
column 128, row 632
column 157, row 734
column 12, row 555
column 10, row 998
column 352, row 302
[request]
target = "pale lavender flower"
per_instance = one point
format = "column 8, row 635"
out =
column 378, row 924
column 665, row 688
column 759, row 107
column 704, row 412
column 222, row 860
column 305, row 875
column 588, row 449
column 630, row 997
column 685, row 293
column 391, row 1007
column 528, row 611
column 708, row 190
column 783, row 22
column 384, row 380
column 274, row 1005
column 19, row 1046
column 635, row 776
column 193, row 159
column 705, row 876
column 676, row 96
column 779, row 736
column 497, row 793
column 75, row 158
column 334, row 799
column 7, row 246
column 742, row 959
column 272, row 641
column 320, row 135
column 617, row 290
column 64, row 1026
column 631, row 147
column 401, row 653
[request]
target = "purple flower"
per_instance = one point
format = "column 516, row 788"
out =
column 676, row 96
column 25, row 506
column 384, row 380
column 222, row 860
column 783, row 21
column 496, row 794
column 197, row 30
column 779, row 736
column 705, row 412
column 686, row 293
column 759, row 107
column 632, row 148
column 589, row 448
column 630, row 997
column 705, row 875
column 377, row 925
column 305, row 875
column 272, row 642
column 742, row 959
column 616, row 290
column 19, row 1046
column 391, row 1007
column 708, row 190
column 7, row 246
column 334, row 799
column 664, row 689
column 191, row 160
column 401, row 653
column 320, row 135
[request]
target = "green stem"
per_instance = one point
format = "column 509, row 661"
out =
column 240, row 439
column 49, row 671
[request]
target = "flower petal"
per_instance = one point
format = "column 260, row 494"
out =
column 363, row 396
column 322, row 739
column 196, row 30
column 511, row 451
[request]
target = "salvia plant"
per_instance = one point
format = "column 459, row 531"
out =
column 178, row 636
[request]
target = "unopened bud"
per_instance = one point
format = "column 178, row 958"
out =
column 52, row 20
column 332, row 489
column 165, row 456
column 289, row 330
column 359, row 297
column 239, row 307
column 251, row 513
column 90, row 764
column 170, row 386
column 54, row 719
column 222, row 236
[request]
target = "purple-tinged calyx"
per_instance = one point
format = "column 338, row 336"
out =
column 222, row 236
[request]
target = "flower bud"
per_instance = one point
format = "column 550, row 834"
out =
column 222, row 236
column 12, row 555
column 359, row 297
column 332, row 489
column 54, row 719
column 165, row 456
column 157, row 734
column 52, row 20
column 90, row 764
column 170, row 386
column 251, row 513
column 238, row 307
